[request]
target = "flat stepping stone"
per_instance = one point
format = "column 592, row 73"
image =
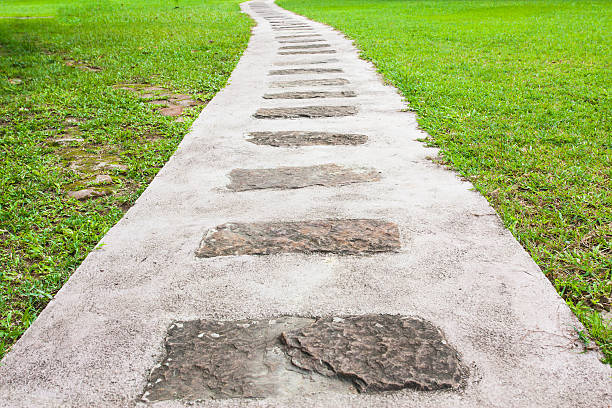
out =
column 343, row 237
column 310, row 82
column 327, row 175
column 307, row 52
column 311, row 95
column 298, row 36
column 305, row 112
column 288, row 355
column 307, row 62
column 301, row 47
column 304, row 138
column 303, row 40
column 298, row 71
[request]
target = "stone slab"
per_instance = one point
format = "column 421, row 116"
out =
column 306, row 52
column 342, row 237
column 307, row 62
column 305, row 138
column 301, row 40
column 299, row 36
column 287, row 355
column 310, row 82
column 302, row 47
column 299, row 71
column 327, row 175
column 310, row 95
column 305, row 112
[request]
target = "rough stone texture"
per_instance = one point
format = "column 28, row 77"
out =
column 301, row 40
column 103, row 179
column 305, row 112
column 301, row 47
column 310, row 95
column 87, row 193
column 298, row 36
column 207, row 359
column 213, row 359
column 305, row 138
column 327, row 175
column 296, row 71
column 307, row 62
column 310, row 82
column 377, row 352
column 307, row 52
column 344, row 237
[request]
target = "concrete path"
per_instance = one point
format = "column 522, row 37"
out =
column 210, row 285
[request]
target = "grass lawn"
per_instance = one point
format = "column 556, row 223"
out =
column 67, row 125
column 517, row 96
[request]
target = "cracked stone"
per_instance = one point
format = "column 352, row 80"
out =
column 305, row 138
column 344, row 237
column 301, row 47
column 377, row 353
column 310, row 82
column 216, row 359
column 295, row 71
column 307, row 52
column 305, row 112
column 311, row 95
column 327, row 175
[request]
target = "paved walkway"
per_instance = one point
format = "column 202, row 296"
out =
column 301, row 248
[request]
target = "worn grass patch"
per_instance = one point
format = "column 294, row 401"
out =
column 517, row 96
column 66, row 125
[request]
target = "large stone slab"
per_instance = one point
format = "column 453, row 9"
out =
column 305, row 138
column 297, row 71
column 310, row 82
column 328, row 175
column 344, row 237
column 311, row 95
column 290, row 356
column 298, row 36
column 305, row 112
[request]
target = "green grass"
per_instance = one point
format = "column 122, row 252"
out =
column 517, row 96
column 187, row 46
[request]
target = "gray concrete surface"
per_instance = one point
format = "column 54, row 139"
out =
column 97, row 341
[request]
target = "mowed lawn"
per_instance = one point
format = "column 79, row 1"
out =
column 517, row 96
column 65, row 120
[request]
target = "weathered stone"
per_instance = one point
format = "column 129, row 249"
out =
column 345, row 237
column 304, row 138
column 310, row 82
column 301, row 47
column 301, row 40
column 377, row 353
column 327, row 175
column 297, row 71
column 103, row 179
column 305, row 112
column 298, row 36
column 172, row 110
column 87, row 193
column 214, row 359
column 311, row 95
column 306, row 52
column 208, row 359
column 308, row 62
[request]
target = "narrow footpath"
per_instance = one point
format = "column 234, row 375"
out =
column 302, row 249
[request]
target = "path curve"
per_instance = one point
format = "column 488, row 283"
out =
column 387, row 233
